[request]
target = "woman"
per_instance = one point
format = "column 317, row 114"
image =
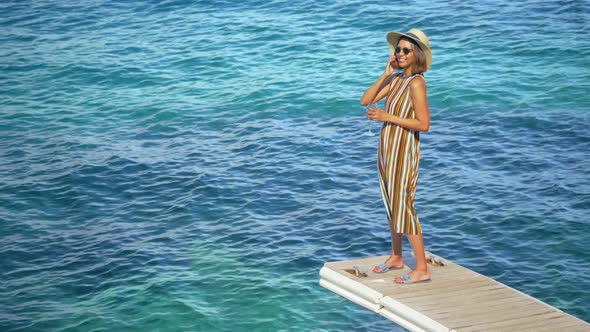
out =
column 405, row 116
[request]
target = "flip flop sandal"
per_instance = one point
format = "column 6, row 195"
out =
column 384, row 268
column 407, row 280
column 360, row 273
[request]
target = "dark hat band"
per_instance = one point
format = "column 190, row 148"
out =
column 413, row 36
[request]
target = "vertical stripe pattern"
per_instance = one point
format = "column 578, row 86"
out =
column 397, row 160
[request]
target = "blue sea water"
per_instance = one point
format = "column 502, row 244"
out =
column 190, row 165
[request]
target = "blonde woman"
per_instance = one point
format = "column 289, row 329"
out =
column 404, row 117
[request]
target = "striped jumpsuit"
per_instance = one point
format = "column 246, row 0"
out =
column 398, row 158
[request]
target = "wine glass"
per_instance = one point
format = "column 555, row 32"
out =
column 370, row 133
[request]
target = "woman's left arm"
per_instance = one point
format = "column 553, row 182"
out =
column 422, row 120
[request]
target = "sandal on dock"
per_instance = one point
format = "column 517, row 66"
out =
column 384, row 268
column 407, row 280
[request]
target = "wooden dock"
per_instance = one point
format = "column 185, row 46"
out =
column 457, row 299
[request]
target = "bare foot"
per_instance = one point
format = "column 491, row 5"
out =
column 393, row 262
column 415, row 276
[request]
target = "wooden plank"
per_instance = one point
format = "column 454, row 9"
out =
column 437, row 289
column 520, row 322
column 497, row 299
column 456, row 319
column 569, row 326
column 458, row 295
column 553, row 321
column 498, row 305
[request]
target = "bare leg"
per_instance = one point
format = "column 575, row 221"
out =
column 395, row 260
column 420, row 272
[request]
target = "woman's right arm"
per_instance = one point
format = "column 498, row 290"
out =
column 378, row 90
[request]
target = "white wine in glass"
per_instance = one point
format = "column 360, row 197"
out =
column 370, row 133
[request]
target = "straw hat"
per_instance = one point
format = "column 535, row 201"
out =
column 414, row 34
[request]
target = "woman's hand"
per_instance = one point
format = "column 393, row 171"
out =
column 377, row 114
column 391, row 65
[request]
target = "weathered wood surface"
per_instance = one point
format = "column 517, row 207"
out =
column 463, row 300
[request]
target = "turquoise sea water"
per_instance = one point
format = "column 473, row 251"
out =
column 190, row 165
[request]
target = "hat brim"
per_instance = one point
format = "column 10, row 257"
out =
column 394, row 37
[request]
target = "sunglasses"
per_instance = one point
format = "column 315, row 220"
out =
column 405, row 50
